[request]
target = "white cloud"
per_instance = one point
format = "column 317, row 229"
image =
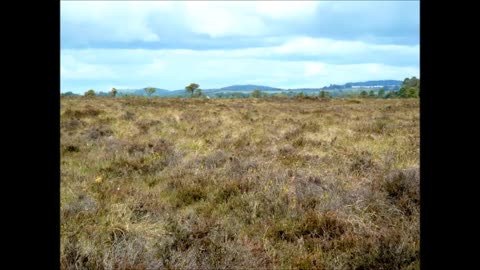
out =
column 74, row 68
column 111, row 21
column 218, row 19
column 307, row 45
column 312, row 69
column 152, row 69
column 148, row 21
column 323, row 46
column 332, row 50
column 286, row 9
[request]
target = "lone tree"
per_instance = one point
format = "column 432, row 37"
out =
column 90, row 93
column 114, row 92
column 363, row 94
column 191, row 88
column 149, row 90
column 371, row 94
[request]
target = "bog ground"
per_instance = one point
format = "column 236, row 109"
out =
column 157, row 183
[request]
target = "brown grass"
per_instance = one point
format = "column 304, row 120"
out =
column 239, row 183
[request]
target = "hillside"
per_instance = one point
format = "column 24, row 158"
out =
column 250, row 87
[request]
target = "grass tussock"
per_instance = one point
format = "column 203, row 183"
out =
column 304, row 183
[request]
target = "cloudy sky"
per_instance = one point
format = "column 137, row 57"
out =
column 288, row 44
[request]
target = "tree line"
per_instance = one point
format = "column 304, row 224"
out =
column 410, row 88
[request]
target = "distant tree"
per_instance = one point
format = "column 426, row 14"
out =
column 323, row 94
column 371, row 94
column 257, row 94
column 412, row 92
column 381, row 93
column 301, row 94
column 410, row 88
column 90, row 93
column 113, row 92
column 150, row 90
column 413, row 82
column 402, row 93
column 191, row 88
column 219, row 95
column 363, row 94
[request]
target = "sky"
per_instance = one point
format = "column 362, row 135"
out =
column 286, row 44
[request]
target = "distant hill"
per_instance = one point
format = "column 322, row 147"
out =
column 249, row 87
column 388, row 84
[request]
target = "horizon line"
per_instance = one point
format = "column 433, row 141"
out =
column 281, row 88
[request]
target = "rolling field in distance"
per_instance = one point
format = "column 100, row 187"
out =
column 286, row 183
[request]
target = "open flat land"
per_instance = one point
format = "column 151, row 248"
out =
column 158, row 183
